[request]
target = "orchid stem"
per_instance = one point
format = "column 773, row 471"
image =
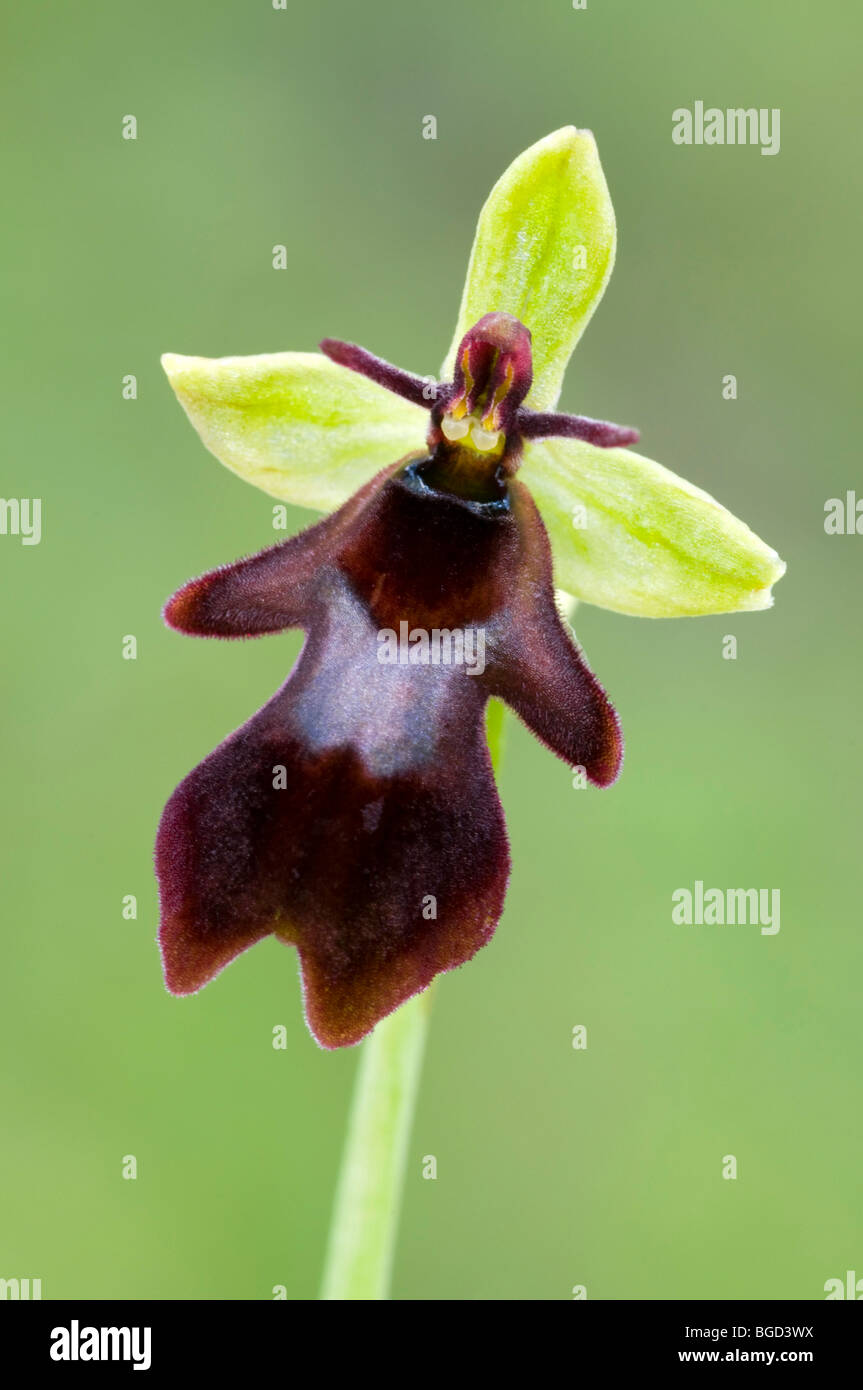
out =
column 368, row 1199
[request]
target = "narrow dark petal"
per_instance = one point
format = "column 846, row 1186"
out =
column 268, row 592
column 540, row 672
column 548, row 684
column 414, row 388
column 534, row 424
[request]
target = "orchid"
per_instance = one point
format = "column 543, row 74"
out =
column 355, row 816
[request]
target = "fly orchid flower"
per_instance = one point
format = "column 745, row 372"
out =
column 355, row 816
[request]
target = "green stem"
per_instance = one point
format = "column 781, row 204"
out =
column 362, row 1236
column 368, row 1201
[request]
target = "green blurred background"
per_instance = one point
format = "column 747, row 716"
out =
column 555, row 1167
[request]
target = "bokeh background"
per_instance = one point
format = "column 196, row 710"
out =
column 555, row 1167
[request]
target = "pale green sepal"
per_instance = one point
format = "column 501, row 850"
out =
column 295, row 424
column 629, row 535
column 543, row 251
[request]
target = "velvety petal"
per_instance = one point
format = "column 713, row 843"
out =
column 347, row 861
column 629, row 535
column 262, row 594
column 295, row 424
column 541, row 673
column 538, row 424
column 417, row 389
column 543, row 251
column 356, row 816
column 268, row 592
